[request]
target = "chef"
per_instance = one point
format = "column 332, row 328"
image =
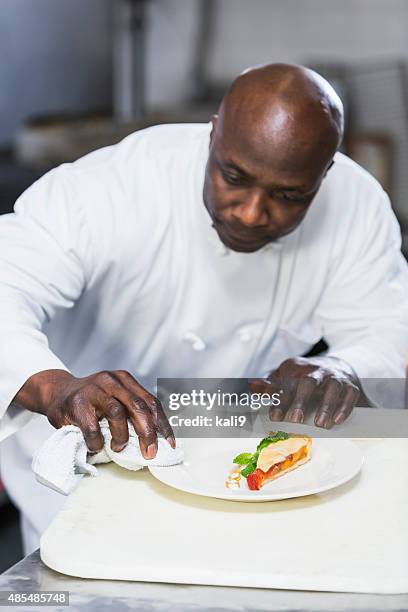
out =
column 225, row 249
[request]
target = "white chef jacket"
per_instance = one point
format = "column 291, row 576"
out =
column 111, row 262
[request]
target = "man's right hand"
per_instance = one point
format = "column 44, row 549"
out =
column 117, row 396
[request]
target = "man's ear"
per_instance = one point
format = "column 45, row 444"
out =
column 214, row 119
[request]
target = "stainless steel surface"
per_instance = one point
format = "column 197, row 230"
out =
column 99, row 595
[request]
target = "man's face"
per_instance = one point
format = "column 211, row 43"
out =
column 254, row 199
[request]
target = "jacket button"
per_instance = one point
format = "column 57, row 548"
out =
column 245, row 335
column 197, row 343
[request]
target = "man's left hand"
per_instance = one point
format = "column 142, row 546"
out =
column 325, row 384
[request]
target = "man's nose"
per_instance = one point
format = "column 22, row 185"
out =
column 252, row 212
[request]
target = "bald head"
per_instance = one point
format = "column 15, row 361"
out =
column 285, row 105
column 272, row 144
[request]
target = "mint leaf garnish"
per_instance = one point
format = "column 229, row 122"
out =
column 251, row 467
column 274, row 436
column 250, row 460
column 243, row 458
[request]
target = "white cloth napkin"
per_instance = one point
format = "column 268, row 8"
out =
column 64, row 458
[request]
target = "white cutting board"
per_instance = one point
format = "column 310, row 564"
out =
column 128, row 526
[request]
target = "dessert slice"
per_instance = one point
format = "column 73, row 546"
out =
column 275, row 455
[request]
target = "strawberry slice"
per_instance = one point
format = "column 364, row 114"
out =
column 257, row 478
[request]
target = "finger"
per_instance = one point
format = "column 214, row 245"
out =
column 145, row 427
column 331, row 398
column 268, row 386
column 285, row 386
column 117, row 418
column 305, row 389
column 277, row 413
column 346, row 407
column 89, row 425
column 163, row 425
column 139, row 413
column 142, row 420
column 153, row 403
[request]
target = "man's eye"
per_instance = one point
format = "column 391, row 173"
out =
column 231, row 179
column 295, row 199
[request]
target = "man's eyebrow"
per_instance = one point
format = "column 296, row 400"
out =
column 228, row 164
column 302, row 190
column 292, row 189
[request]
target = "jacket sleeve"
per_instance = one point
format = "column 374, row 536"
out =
column 45, row 251
column 364, row 309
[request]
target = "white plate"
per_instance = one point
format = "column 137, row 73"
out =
column 207, row 463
